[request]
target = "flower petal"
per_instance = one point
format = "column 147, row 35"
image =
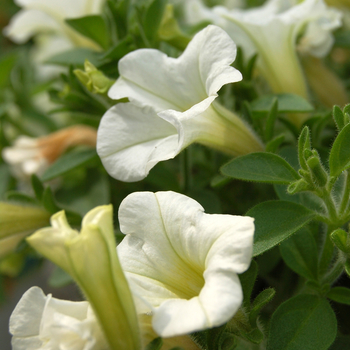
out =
column 131, row 140
column 27, row 23
column 150, row 77
column 182, row 261
column 29, row 309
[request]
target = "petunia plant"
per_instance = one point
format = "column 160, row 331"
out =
column 218, row 130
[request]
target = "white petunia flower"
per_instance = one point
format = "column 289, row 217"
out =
column 183, row 262
column 30, row 155
column 48, row 16
column 44, row 322
column 17, row 222
column 272, row 31
column 90, row 257
column 45, row 20
column 171, row 106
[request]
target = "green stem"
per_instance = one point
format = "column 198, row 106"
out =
column 345, row 200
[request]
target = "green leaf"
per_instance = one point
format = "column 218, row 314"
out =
column 338, row 117
column 260, row 167
column 75, row 57
column 7, row 62
column 20, row 198
column 49, row 201
column 275, row 221
column 286, row 103
column 300, row 253
column 339, row 159
column 340, row 295
column 270, row 121
column 155, row 344
column 38, row 187
column 302, row 322
column 68, row 162
column 5, row 179
column 259, row 302
column 273, row 144
column 92, row 27
column 247, row 280
column 153, row 18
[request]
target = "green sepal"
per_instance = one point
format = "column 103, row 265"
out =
column 298, row 186
column 304, row 143
column 347, row 267
column 339, row 158
column 340, row 238
column 317, row 171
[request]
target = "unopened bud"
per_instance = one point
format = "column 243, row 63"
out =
column 319, row 175
column 93, row 79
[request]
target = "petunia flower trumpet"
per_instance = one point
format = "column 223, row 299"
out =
column 43, row 322
column 16, row 222
column 48, row 16
column 276, row 30
column 90, row 258
column 182, row 262
column 171, row 106
column 30, row 155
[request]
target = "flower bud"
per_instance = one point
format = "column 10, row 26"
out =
column 16, row 222
column 93, row 79
column 91, row 259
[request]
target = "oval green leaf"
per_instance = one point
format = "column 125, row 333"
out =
column 286, row 103
column 68, row 162
column 300, row 253
column 303, row 322
column 260, row 167
column 340, row 295
column 339, row 159
column 275, row 221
